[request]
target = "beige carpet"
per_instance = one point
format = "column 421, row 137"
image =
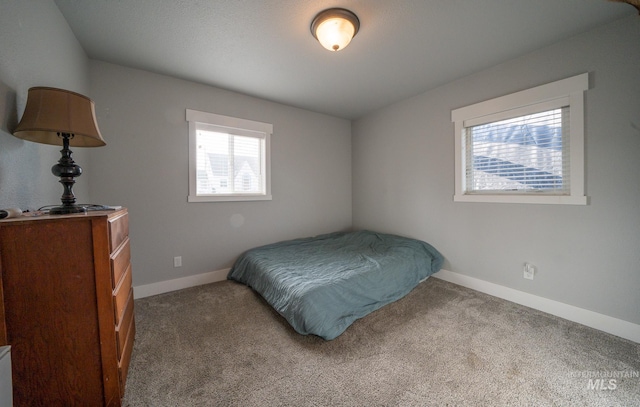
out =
column 442, row 345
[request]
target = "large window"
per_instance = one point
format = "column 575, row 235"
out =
column 228, row 158
column 526, row 147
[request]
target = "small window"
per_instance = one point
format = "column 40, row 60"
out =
column 228, row 158
column 526, row 147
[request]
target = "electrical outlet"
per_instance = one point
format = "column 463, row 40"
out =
column 528, row 271
column 177, row 261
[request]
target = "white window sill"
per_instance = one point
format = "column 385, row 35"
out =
column 229, row 198
column 523, row 199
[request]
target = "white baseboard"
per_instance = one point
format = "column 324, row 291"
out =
column 162, row 287
column 618, row 327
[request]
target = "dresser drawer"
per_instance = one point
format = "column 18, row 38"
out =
column 118, row 231
column 120, row 262
column 121, row 295
column 122, row 330
column 123, row 364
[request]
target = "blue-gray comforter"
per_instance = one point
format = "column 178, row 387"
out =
column 322, row 284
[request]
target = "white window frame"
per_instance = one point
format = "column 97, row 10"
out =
column 239, row 127
column 565, row 92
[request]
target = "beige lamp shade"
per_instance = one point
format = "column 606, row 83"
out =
column 334, row 28
column 51, row 111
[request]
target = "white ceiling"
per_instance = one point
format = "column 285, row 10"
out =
column 264, row 48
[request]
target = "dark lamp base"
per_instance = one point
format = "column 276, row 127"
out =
column 67, row 209
column 67, row 170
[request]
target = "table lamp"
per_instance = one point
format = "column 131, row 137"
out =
column 60, row 117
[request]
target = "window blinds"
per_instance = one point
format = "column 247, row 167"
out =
column 528, row 153
column 228, row 163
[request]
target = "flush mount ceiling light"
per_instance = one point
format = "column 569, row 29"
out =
column 334, row 28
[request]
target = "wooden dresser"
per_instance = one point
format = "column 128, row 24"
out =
column 67, row 305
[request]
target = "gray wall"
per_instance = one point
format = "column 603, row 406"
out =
column 145, row 168
column 587, row 256
column 37, row 48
